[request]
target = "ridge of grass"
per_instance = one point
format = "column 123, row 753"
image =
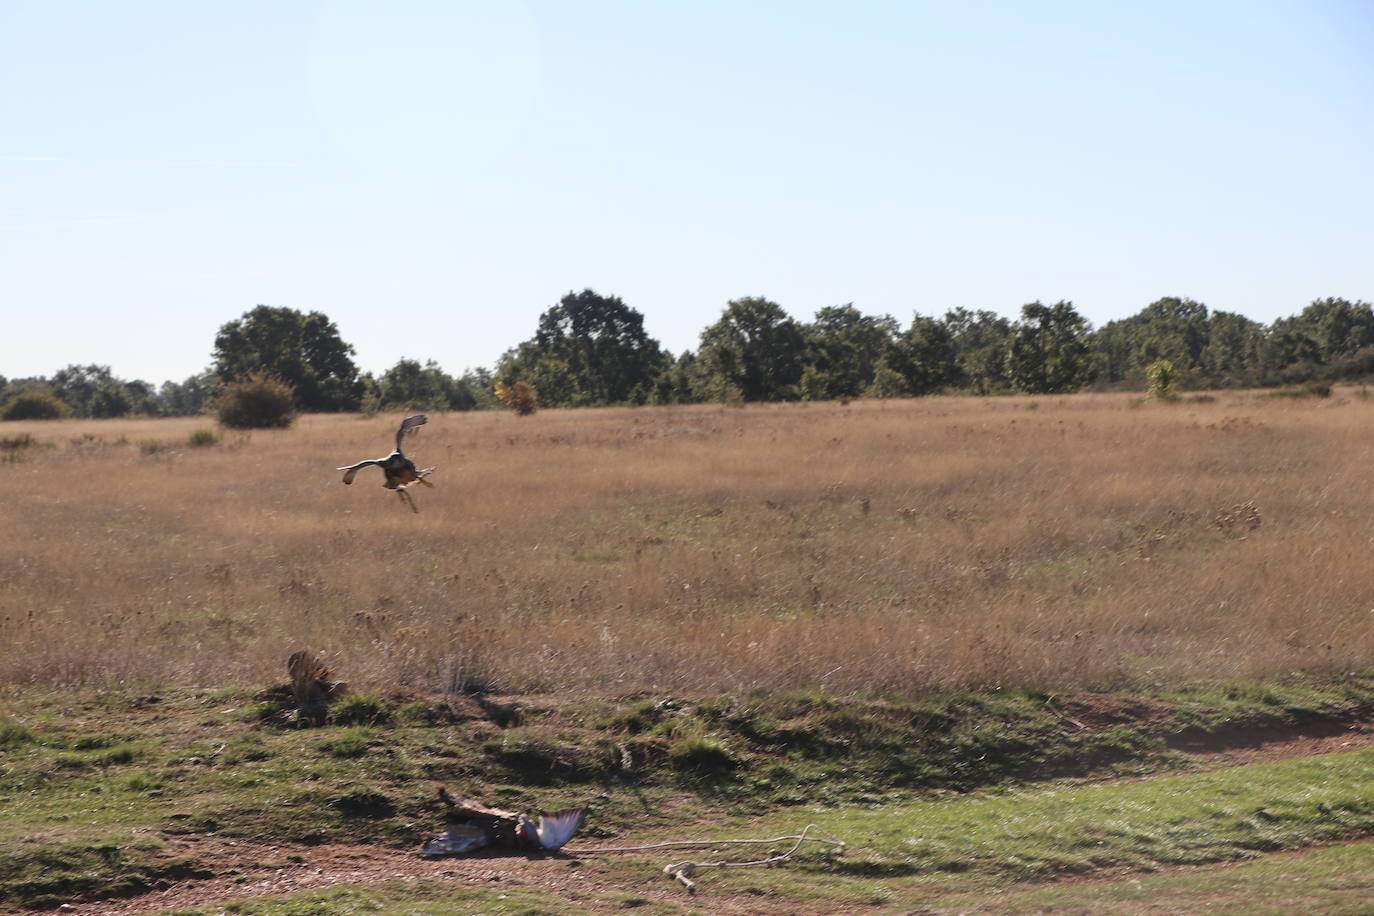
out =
column 130, row 767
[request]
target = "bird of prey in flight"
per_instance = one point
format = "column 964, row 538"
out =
column 400, row 471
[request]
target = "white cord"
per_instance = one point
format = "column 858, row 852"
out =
column 680, row 871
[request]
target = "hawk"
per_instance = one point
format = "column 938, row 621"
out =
column 400, row 471
column 472, row 825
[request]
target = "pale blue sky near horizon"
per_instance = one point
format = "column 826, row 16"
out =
column 434, row 175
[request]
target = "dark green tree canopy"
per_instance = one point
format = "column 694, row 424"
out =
column 1232, row 352
column 756, row 349
column 93, row 391
column 192, row 396
column 1048, row 352
column 843, row 348
column 925, row 356
column 588, row 349
column 1171, row 329
column 303, row 349
column 980, row 342
column 409, row 385
column 1327, row 331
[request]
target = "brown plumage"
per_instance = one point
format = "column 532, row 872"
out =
column 472, row 825
column 400, row 471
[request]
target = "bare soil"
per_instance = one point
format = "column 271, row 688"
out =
column 252, row 870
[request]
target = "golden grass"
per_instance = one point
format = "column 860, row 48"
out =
column 896, row 546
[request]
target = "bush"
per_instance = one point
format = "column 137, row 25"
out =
column 1160, row 378
column 261, row 401
column 1315, row 389
column 1310, row 389
column 203, row 437
column 519, row 397
column 34, row 405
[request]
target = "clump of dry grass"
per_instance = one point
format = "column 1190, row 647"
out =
column 894, row 545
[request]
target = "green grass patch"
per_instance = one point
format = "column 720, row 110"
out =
column 1337, row 879
column 1191, row 819
column 361, row 709
column 99, row 757
column 202, row 438
column 12, row 734
column 351, row 742
column 36, row 876
column 396, row 899
column 929, row 788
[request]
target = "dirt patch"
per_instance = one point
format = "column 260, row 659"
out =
column 253, row 870
column 1236, row 747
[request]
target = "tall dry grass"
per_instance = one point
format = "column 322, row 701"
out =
column 893, row 546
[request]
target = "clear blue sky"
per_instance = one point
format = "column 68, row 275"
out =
column 433, row 175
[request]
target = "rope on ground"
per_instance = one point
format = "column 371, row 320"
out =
column 682, row 871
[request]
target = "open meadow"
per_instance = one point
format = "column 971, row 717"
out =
column 1076, row 654
column 898, row 546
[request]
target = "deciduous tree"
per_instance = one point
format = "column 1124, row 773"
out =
column 589, row 349
column 303, row 349
column 756, row 349
column 1048, row 352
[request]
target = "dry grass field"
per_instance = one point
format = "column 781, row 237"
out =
column 902, row 546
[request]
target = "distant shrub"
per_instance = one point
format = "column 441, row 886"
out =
column 259, row 402
column 1160, row 379
column 34, row 405
column 1310, row 389
column 203, row 437
column 518, row 396
column 150, row 446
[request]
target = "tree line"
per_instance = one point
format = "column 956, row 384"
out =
column 593, row 350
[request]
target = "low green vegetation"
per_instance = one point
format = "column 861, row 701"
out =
column 95, row 784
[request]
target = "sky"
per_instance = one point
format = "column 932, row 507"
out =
column 434, row 175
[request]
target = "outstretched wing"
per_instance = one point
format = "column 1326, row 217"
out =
column 557, row 827
column 408, row 424
column 352, row 470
